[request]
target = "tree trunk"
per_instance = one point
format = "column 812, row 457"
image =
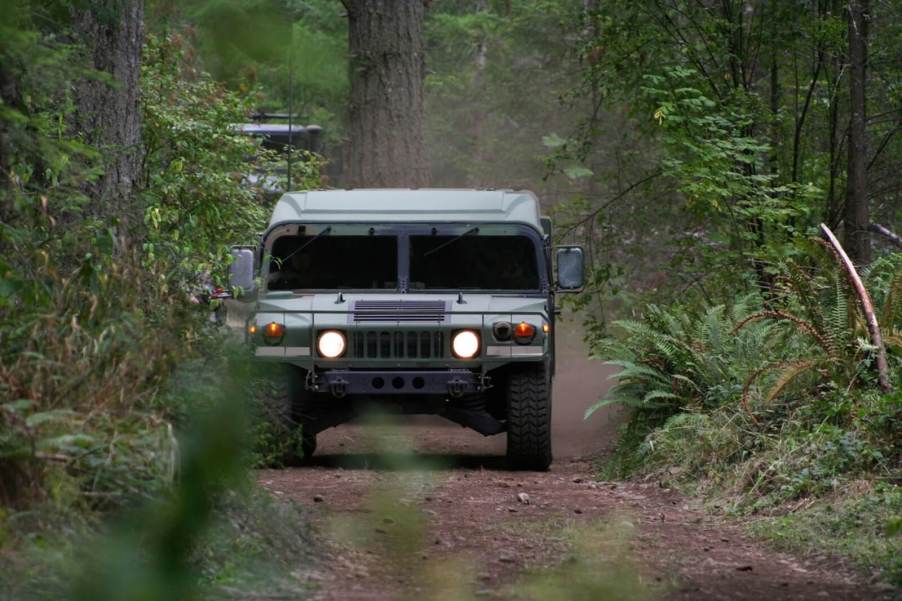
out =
column 107, row 110
column 386, row 106
column 11, row 97
column 477, row 174
column 856, row 214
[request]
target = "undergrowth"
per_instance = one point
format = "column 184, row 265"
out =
column 124, row 423
column 770, row 407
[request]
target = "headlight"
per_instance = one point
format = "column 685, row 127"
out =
column 331, row 344
column 465, row 344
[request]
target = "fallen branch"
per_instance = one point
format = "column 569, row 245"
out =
column 886, row 233
column 867, row 306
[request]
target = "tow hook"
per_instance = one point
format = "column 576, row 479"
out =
column 456, row 388
column 339, row 388
column 485, row 382
column 311, row 382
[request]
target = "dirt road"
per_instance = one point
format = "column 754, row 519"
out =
column 426, row 510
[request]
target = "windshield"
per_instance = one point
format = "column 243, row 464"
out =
column 473, row 262
column 334, row 262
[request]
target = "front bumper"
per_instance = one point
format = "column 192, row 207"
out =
column 344, row 382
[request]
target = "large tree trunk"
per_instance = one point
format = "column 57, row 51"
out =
column 856, row 214
column 107, row 111
column 11, row 97
column 386, row 108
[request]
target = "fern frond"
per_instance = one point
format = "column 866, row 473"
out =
column 791, row 371
column 838, row 319
column 805, row 326
column 891, row 311
column 634, row 372
column 656, row 395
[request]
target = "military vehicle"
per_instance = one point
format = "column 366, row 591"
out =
column 431, row 300
column 279, row 137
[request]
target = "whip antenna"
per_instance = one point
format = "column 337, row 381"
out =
column 290, row 103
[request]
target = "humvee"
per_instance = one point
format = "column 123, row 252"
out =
column 435, row 301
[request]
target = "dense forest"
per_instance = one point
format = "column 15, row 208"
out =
column 703, row 153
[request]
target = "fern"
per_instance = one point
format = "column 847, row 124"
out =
column 837, row 330
column 791, row 371
column 891, row 311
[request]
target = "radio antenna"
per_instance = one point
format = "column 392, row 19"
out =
column 290, row 102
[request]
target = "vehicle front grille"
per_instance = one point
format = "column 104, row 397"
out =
column 399, row 311
column 374, row 344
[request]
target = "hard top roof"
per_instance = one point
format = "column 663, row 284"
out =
column 276, row 128
column 381, row 205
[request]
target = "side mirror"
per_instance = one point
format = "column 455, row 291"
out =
column 241, row 271
column 570, row 268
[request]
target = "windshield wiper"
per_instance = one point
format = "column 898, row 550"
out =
column 308, row 243
column 472, row 230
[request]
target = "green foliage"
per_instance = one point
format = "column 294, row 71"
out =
column 713, row 159
column 278, row 49
column 91, row 328
column 208, row 529
column 863, row 526
column 764, row 408
column 198, row 196
column 674, row 360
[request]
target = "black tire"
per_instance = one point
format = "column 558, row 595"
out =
column 529, row 418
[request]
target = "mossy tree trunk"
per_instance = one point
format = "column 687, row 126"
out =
column 386, row 146
column 856, row 215
column 107, row 106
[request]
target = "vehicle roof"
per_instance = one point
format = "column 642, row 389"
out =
column 381, row 205
column 275, row 128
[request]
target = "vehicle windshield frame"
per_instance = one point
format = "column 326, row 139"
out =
column 403, row 232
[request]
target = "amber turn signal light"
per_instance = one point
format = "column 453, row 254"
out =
column 273, row 331
column 524, row 332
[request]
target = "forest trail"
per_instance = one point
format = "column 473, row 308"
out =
column 424, row 509
column 397, row 523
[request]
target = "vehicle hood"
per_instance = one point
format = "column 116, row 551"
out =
column 473, row 304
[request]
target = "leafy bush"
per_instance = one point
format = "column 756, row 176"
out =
column 199, row 196
column 92, row 324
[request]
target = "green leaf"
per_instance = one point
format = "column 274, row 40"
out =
column 553, row 141
column 578, row 172
column 43, row 417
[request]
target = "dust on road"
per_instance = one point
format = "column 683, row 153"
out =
column 424, row 509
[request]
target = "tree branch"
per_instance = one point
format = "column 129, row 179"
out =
column 866, row 306
column 886, row 233
column 591, row 215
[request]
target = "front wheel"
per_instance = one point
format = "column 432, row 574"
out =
column 529, row 418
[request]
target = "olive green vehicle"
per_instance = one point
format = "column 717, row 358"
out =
column 433, row 300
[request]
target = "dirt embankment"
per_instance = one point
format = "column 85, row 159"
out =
column 426, row 510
